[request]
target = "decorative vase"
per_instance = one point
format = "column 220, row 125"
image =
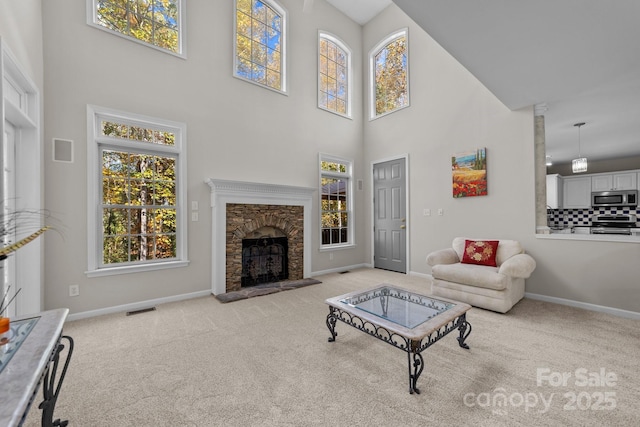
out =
column 4, row 329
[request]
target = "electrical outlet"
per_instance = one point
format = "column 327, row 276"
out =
column 74, row 290
column 440, row 212
column 426, row 212
column 330, row 256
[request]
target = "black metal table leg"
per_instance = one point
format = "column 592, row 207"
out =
column 331, row 324
column 50, row 388
column 465, row 330
column 415, row 368
column 412, row 347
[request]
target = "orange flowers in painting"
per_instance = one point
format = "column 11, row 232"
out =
column 476, row 187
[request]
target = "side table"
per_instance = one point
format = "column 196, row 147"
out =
column 34, row 359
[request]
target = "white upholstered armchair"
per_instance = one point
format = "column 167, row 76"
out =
column 483, row 273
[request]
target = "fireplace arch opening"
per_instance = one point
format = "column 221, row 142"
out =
column 264, row 260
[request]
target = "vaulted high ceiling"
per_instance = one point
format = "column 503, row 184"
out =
column 579, row 57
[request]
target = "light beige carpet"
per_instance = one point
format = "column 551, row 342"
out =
column 266, row 361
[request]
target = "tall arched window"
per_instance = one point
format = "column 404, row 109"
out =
column 389, row 74
column 260, row 43
column 334, row 75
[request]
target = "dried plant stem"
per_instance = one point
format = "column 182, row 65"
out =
column 17, row 245
column 10, row 301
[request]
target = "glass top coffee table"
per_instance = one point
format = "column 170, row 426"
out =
column 404, row 319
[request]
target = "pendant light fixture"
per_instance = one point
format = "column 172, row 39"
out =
column 580, row 164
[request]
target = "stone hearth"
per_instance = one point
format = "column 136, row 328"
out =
column 240, row 208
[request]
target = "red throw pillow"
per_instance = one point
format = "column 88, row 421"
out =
column 482, row 252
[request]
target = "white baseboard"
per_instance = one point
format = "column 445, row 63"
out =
column 339, row 269
column 150, row 303
column 157, row 301
column 136, row 305
column 423, row 275
column 587, row 306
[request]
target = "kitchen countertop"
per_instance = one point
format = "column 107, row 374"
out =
column 634, row 238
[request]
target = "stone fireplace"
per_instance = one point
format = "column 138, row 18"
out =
column 261, row 229
column 244, row 211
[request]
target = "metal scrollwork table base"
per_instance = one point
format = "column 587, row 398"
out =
column 406, row 320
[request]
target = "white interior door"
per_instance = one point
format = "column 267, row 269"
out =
column 8, row 188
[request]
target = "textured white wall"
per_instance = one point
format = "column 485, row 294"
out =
column 451, row 112
column 236, row 131
column 21, row 30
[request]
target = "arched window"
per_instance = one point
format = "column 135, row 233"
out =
column 334, row 75
column 260, row 43
column 389, row 75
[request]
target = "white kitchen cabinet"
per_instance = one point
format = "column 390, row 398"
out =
column 554, row 191
column 576, row 192
column 625, row 181
column 615, row 181
column 602, row 182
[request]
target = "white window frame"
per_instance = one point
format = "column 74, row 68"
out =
column 404, row 32
column 283, row 47
column 350, row 200
column 92, row 20
column 95, row 141
column 342, row 45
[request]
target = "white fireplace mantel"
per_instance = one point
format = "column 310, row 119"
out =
column 224, row 191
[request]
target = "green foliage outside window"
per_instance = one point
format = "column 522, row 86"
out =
column 333, row 166
column 259, row 43
column 136, row 133
column 151, row 21
column 391, row 90
column 333, row 77
column 334, row 210
column 138, row 207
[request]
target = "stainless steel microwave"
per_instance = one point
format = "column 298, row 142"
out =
column 618, row 198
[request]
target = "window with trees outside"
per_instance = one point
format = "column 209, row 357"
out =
column 136, row 204
column 260, row 43
column 389, row 74
column 336, row 205
column 334, row 75
column 154, row 22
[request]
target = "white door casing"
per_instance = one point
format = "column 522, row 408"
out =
column 8, row 188
column 20, row 127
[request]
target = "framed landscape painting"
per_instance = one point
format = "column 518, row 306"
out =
column 469, row 171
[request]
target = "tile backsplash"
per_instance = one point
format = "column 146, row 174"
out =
column 565, row 218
